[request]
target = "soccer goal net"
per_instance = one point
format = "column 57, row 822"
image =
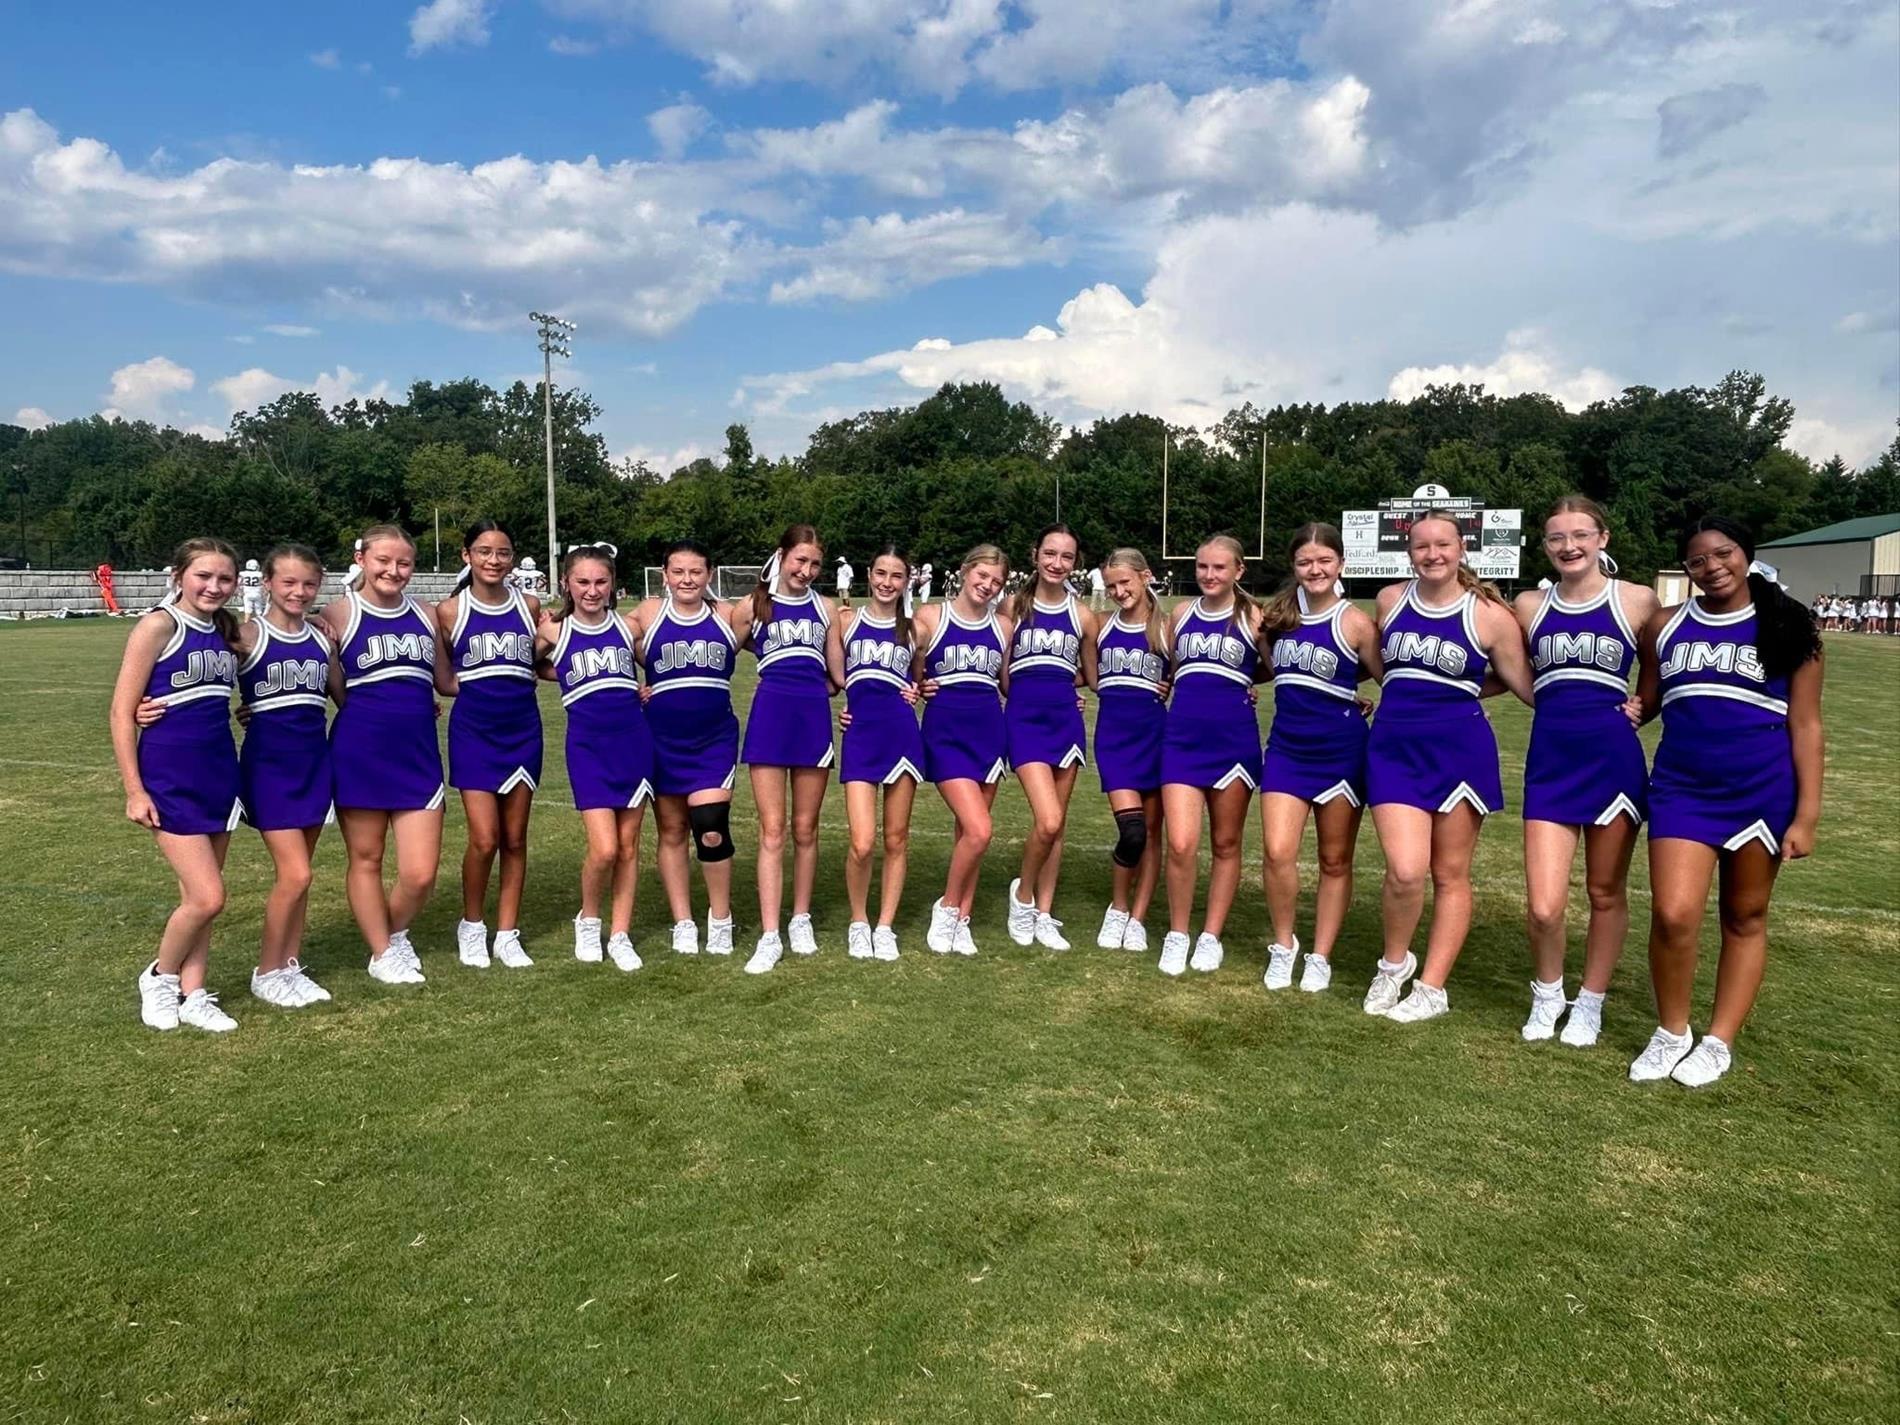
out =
column 735, row 581
column 656, row 581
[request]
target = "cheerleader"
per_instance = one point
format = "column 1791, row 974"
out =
column 964, row 737
column 1210, row 753
column 870, row 653
column 1133, row 653
column 1432, row 760
column 1318, row 648
column 1736, row 789
column 1584, row 776
column 787, row 623
column 588, row 651
column 385, row 762
column 488, row 626
column 688, row 650
column 1053, row 647
column 181, row 773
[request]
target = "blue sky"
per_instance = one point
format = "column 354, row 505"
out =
column 779, row 211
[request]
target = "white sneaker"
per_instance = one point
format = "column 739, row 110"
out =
column 718, row 936
column 1585, row 1022
column 1386, row 987
column 392, row 967
column 1174, row 953
column 943, row 927
column 962, row 942
column 471, row 943
column 884, row 943
column 411, row 962
column 1049, row 932
column 312, row 991
column 200, row 1010
column 1703, row 1065
column 620, row 950
column 401, row 938
column 857, row 940
column 1660, row 1056
column 800, row 934
column 771, row 950
column 1547, row 1007
column 508, row 949
column 1423, row 1002
column 1280, row 964
column 1317, row 975
column 158, row 998
column 1022, row 918
column 1114, row 926
column 686, row 937
column 1135, row 937
column 587, row 939
column 277, row 987
column 1208, row 953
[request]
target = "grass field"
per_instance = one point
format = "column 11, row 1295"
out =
column 1024, row 1187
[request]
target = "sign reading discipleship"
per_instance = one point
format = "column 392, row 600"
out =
column 1376, row 539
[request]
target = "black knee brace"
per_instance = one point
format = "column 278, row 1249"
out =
column 1131, row 837
column 712, row 830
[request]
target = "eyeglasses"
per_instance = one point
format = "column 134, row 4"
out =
column 1561, row 541
column 1696, row 563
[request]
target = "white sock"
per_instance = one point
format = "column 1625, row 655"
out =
column 1673, row 1038
column 1391, row 967
column 1589, row 997
column 1548, row 989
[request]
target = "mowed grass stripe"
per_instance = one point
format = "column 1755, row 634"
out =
column 1025, row 1186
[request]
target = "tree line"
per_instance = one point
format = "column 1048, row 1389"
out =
column 965, row 465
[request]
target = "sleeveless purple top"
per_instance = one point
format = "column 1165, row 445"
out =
column 1214, row 664
column 1712, row 678
column 1433, row 660
column 1581, row 654
column 791, row 647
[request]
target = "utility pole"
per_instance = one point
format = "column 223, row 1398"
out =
column 555, row 334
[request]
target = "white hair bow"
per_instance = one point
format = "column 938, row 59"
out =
column 768, row 576
column 612, row 549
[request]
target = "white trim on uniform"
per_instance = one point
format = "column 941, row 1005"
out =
column 236, row 818
column 1580, row 675
column 1233, row 774
column 1620, row 806
column 903, row 767
column 520, row 777
column 1341, row 788
column 1755, row 831
column 1464, row 792
column 1721, row 690
column 441, row 796
column 998, row 770
column 1318, row 685
column 196, row 694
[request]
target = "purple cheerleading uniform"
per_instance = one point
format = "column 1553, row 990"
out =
column 284, row 767
column 1724, row 773
column 964, row 735
column 1041, row 718
column 789, row 724
column 688, row 662
column 1432, row 747
column 188, row 758
column 495, row 726
column 1316, row 744
column 609, row 750
column 383, row 750
column 1130, row 718
column 883, row 743
column 1585, row 765
column 1212, row 738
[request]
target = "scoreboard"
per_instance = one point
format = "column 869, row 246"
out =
column 1376, row 540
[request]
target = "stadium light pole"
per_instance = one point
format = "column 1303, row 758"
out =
column 555, row 333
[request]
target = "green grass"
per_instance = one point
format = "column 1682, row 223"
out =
column 1025, row 1187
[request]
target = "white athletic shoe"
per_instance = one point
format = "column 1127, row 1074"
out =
column 508, row 950
column 771, row 950
column 587, row 939
column 312, row 991
column 471, row 943
column 1317, row 975
column 718, row 936
column 1208, row 953
column 411, row 962
column 1114, row 926
column 199, row 1009
column 857, row 940
column 884, row 943
column 401, row 938
column 943, row 927
column 1660, row 1056
column 392, row 967
column 1174, row 953
column 686, row 937
column 1049, row 932
column 1386, row 986
column 1022, row 918
column 1585, row 1022
column 620, row 950
column 1702, row 1066
column 800, row 934
column 1135, row 937
column 1547, row 1007
column 962, row 942
column 158, row 998
column 1280, row 964
column 277, row 987
column 1423, row 1002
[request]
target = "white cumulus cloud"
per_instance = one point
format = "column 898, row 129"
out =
column 144, row 390
column 1525, row 365
column 253, row 387
column 32, row 417
column 449, row 22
